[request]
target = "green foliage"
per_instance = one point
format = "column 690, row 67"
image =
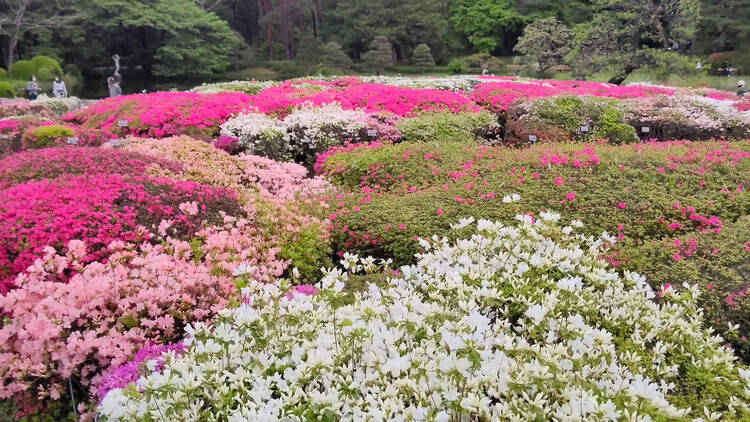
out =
column 332, row 55
column 457, row 66
column 623, row 34
column 725, row 25
column 560, row 118
column 309, row 48
column 23, row 70
column 380, row 54
column 307, row 251
column 719, row 264
column 480, row 59
column 286, row 69
column 487, row 24
column 47, row 136
column 447, row 127
column 6, row 90
column 3, row 73
column 421, row 56
column 546, row 41
column 667, row 63
column 648, row 194
column 184, row 38
column 406, row 23
column 46, row 67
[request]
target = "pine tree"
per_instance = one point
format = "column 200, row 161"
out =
column 380, row 54
column 333, row 55
column 421, row 56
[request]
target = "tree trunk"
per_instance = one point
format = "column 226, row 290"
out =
column 12, row 42
column 620, row 78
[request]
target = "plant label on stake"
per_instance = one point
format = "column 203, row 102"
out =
column 115, row 143
column 532, row 138
column 72, row 141
column 584, row 129
column 122, row 123
column 372, row 133
column 645, row 129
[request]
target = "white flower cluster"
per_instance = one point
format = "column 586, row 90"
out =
column 307, row 130
column 506, row 325
column 248, row 87
column 694, row 111
column 465, row 83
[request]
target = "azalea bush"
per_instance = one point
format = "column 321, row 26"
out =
column 717, row 262
column 560, row 119
column 42, row 108
column 499, row 325
column 448, row 127
column 640, row 193
column 143, row 294
column 683, row 117
column 50, row 163
column 161, row 114
column 99, row 209
column 305, row 132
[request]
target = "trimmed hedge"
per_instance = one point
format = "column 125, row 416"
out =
column 7, row 90
column 23, row 69
column 447, row 127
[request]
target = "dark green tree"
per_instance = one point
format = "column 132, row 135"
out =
column 624, row 34
column 18, row 17
column 422, row 57
column 406, row 23
column 546, row 41
column 490, row 26
column 725, row 25
column 332, row 55
column 380, row 54
column 168, row 37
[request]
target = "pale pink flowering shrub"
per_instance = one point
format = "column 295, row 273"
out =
column 98, row 210
column 143, row 294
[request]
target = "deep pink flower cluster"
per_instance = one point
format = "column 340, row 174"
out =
column 97, row 209
column 498, row 96
column 50, row 163
column 161, row 114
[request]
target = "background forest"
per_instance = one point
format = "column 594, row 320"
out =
column 176, row 42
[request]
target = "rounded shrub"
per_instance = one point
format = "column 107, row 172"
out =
column 46, row 136
column 3, row 73
column 47, row 67
column 457, row 66
column 7, row 90
column 448, row 127
column 23, row 69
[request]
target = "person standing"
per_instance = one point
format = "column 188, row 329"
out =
column 741, row 89
column 32, row 89
column 59, row 90
column 114, row 87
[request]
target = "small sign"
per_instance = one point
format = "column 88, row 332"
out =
column 122, row 123
column 372, row 133
column 115, row 142
column 72, row 141
column 584, row 129
column 532, row 138
column 645, row 129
